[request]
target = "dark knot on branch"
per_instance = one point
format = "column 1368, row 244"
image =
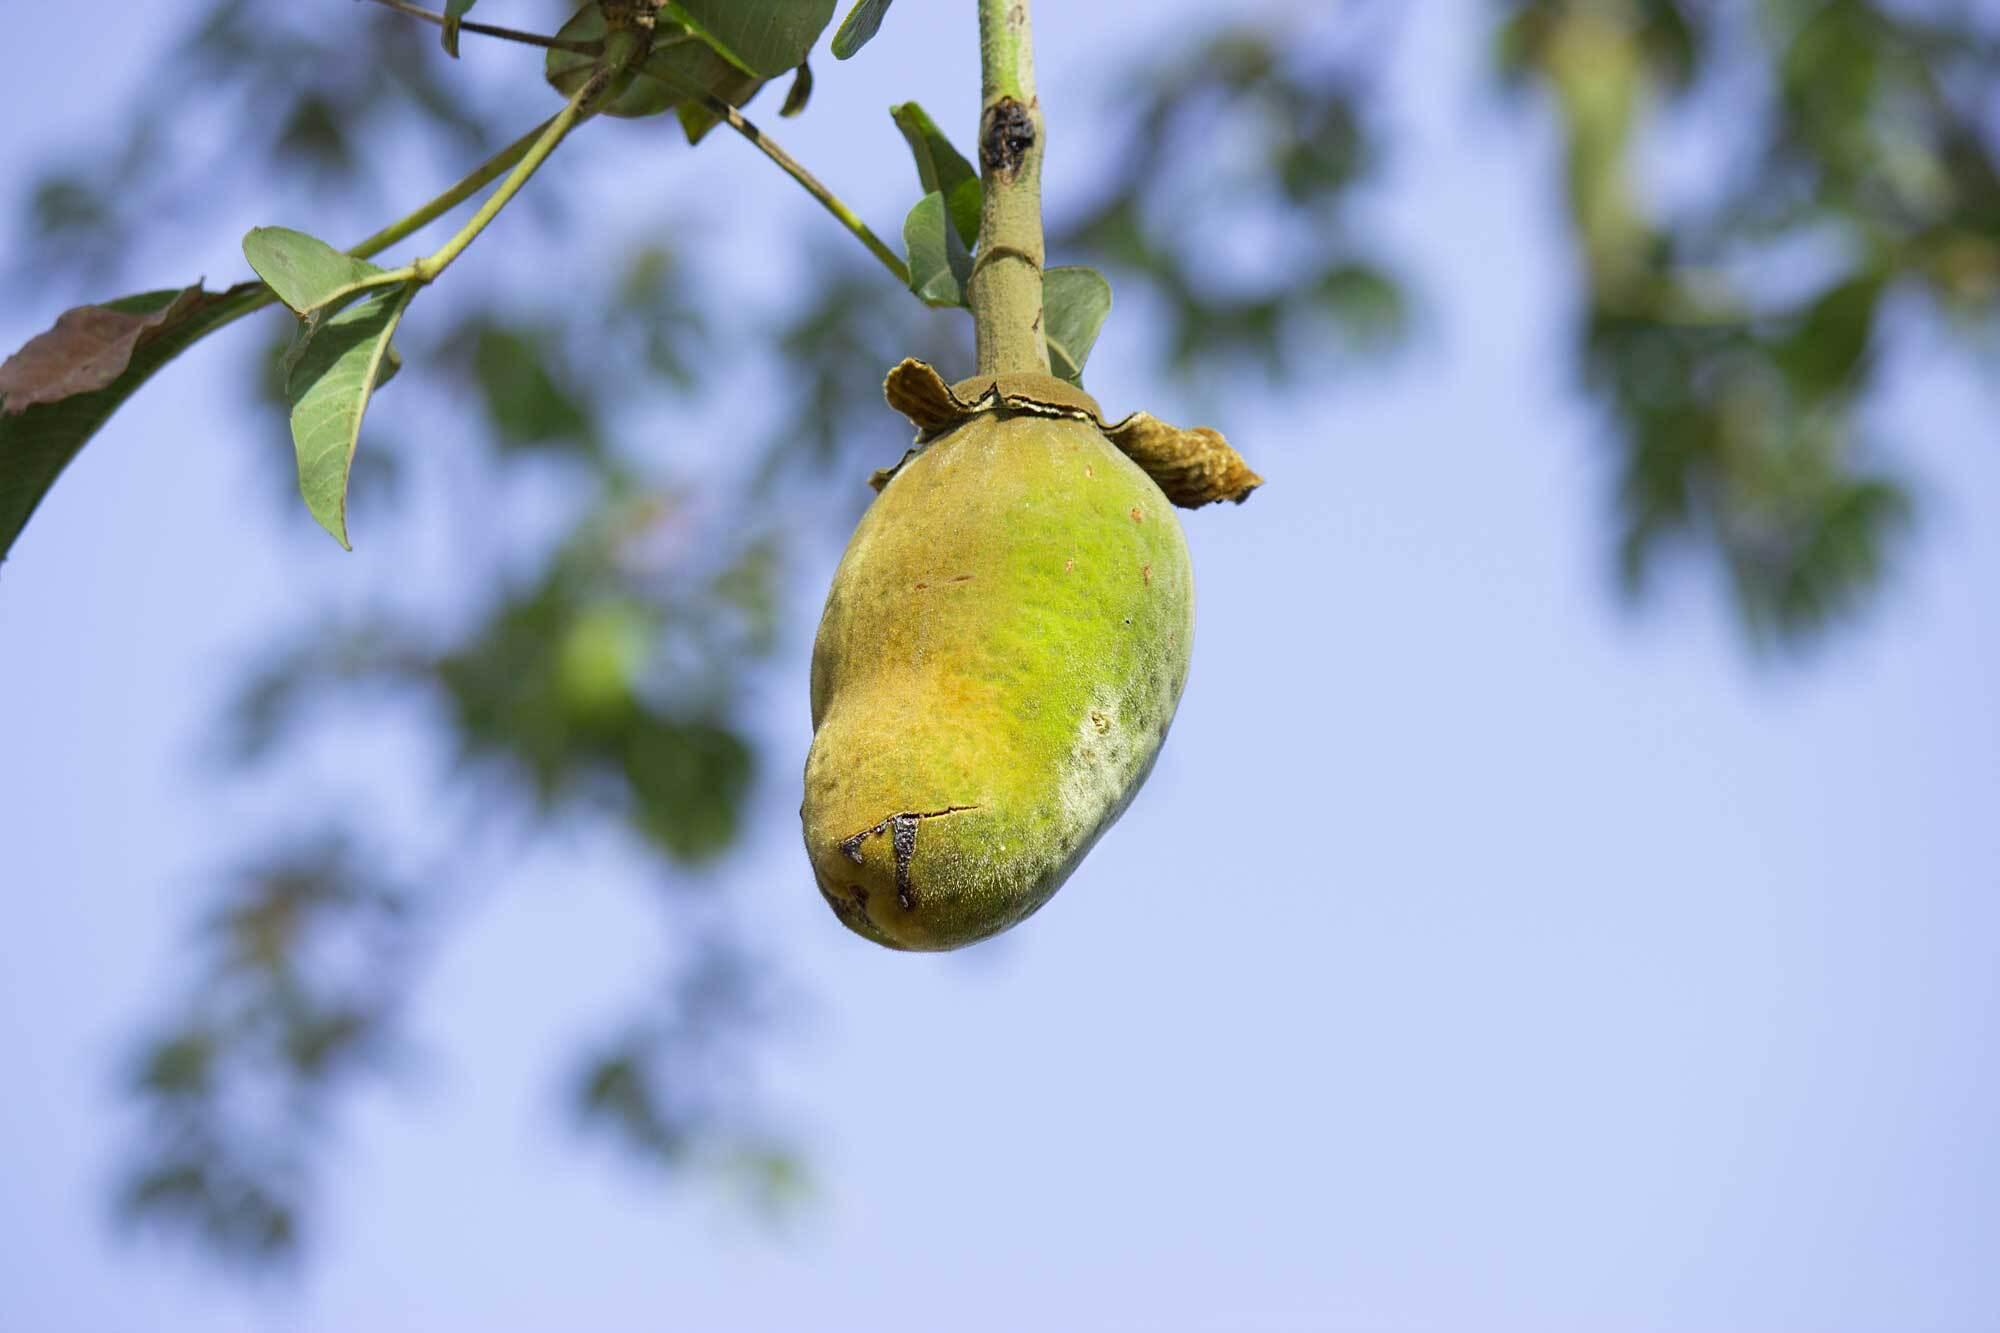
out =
column 1005, row 137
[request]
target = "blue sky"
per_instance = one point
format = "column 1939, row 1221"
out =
column 1480, row 955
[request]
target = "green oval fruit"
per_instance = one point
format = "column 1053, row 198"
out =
column 1000, row 656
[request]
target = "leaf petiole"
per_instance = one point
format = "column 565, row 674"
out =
column 553, row 131
column 828, row 200
column 488, row 29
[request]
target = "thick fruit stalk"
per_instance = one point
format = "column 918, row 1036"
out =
column 1001, row 654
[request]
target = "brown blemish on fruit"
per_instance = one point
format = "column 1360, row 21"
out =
column 1146, row 573
column 959, row 578
column 1089, row 471
column 903, row 838
column 1069, row 566
column 1138, row 514
column 902, row 830
column 1099, row 723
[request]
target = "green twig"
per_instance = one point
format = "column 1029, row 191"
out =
column 1006, row 288
column 481, row 176
column 552, row 133
column 488, row 30
column 790, row 165
column 254, row 295
column 847, row 217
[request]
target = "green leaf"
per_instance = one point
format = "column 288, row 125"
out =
column 306, row 272
column 940, row 265
column 527, row 403
column 454, row 10
column 1074, row 304
column 695, row 63
column 1824, row 355
column 767, row 37
column 674, row 18
column 859, row 27
column 567, row 71
column 333, row 372
column 679, row 70
column 799, row 93
column 942, row 168
column 688, row 780
column 46, row 422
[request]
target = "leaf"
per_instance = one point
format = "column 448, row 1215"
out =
column 526, row 403
column 306, row 272
column 1074, row 304
column 688, row 781
column 679, row 70
column 940, row 265
column 799, row 93
column 333, row 373
column 695, row 62
column 454, row 10
column 1824, row 354
column 52, row 407
column 1363, row 299
column 767, row 36
column 567, row 71
column 858, row 28
column 942, row 168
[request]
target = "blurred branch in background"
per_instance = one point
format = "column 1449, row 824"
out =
column 1282, row 137
column 297, row 983
column 592, row 673
column 1736, row 397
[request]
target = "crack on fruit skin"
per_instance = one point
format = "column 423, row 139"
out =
column 902, row 830
column 1006, row 137
column 903, row 838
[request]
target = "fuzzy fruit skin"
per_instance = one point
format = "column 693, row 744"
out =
column 1000, row 657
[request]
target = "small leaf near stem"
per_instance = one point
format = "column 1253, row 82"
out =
column 1006, row 287
column 1074, row 304
column 799, row 93
column 308, row 274
column 940, row 265
column 858, row 28
column 454, row 13
column 941, row 167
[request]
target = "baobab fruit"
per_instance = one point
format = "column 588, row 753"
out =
column 1001, row 654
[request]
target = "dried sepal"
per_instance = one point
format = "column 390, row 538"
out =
column 1192, row 467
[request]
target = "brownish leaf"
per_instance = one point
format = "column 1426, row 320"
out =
column 88, row 348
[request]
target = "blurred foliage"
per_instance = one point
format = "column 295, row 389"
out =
column 300, row 976
column 1737, row 402
column 1161, row 207
column 590, row 670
